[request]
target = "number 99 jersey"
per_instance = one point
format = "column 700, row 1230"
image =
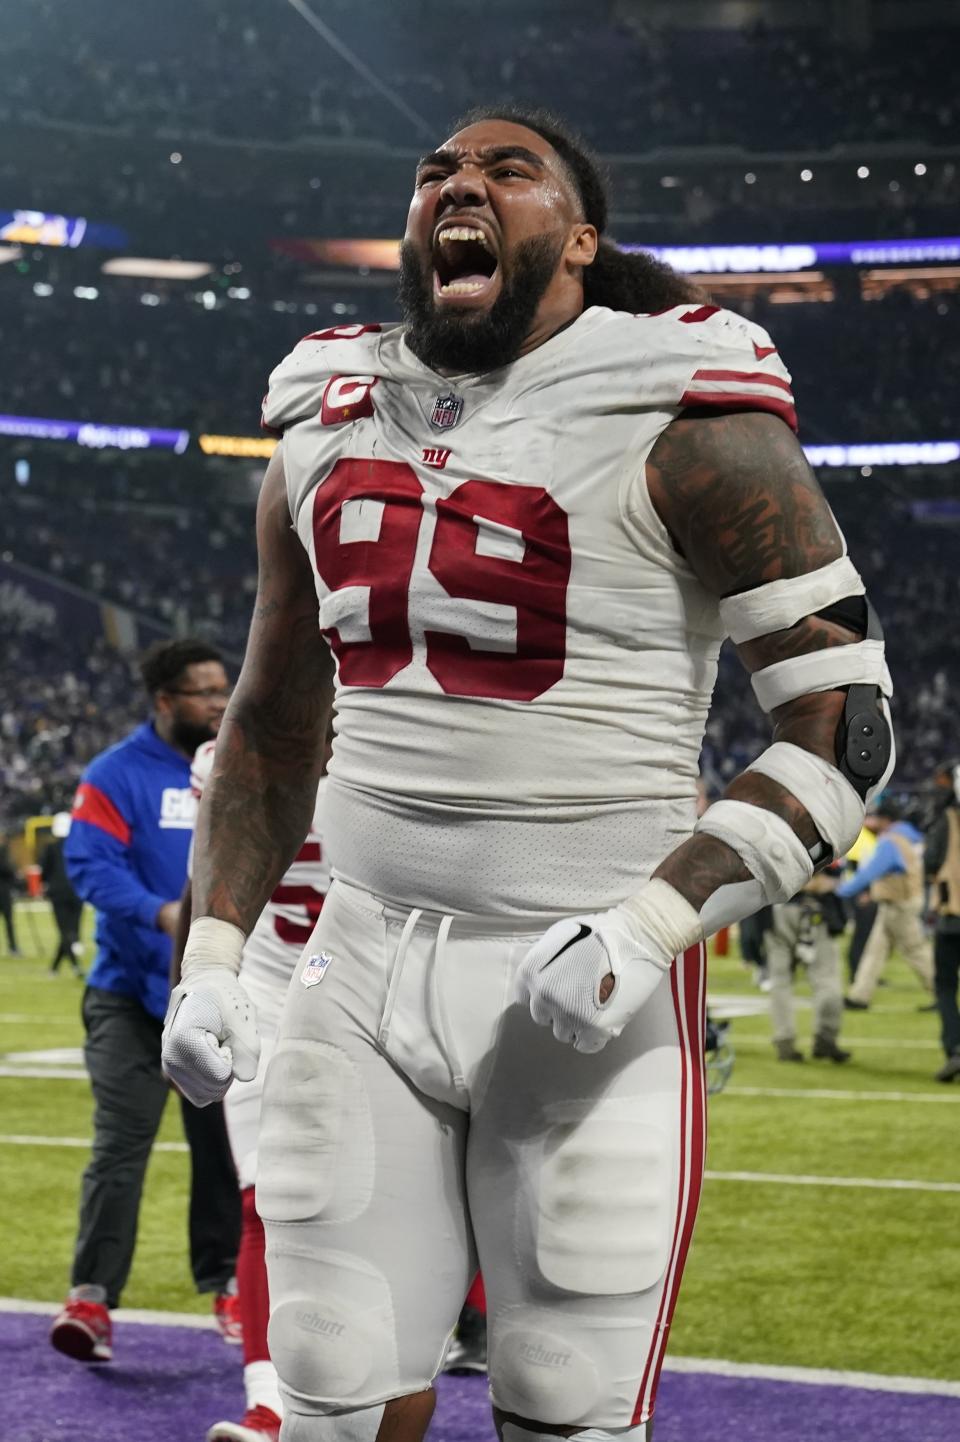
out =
column 286, row 923
column 524, row 662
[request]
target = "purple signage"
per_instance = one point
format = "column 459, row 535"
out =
column 96, row 437
column 802, row 255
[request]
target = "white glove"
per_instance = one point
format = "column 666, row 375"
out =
column 210, row 1031
column 637, row 941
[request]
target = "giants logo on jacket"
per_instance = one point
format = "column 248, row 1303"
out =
column 178, row 809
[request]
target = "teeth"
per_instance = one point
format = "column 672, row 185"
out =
column 462, row 287
column 463, row 232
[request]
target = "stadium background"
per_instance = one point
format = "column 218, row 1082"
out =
column 184, row 191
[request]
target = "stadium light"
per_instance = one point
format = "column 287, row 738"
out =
column 919, row 168
column 175, row 157
column 750, row 178
column 806, row 175
column 147, row 269
column 863, row 171
column 86, row 292
column 42, row 289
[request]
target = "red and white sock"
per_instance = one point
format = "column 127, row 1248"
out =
column 259, row 1373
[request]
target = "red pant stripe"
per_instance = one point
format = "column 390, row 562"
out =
column 688, row 986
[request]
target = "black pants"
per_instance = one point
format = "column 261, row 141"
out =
column 67, row 913
column 753, row 929
column 946, row 980
column 863, row 918
column 122, row 1053
column 6, row 912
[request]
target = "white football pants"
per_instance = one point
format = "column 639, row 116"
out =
column 241, row 1105
column 415, row 1121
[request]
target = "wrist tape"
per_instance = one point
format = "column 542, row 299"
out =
column 212, row 943
column 659, row 914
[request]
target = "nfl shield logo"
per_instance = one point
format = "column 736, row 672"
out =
column 315, row 968
column 447, row 410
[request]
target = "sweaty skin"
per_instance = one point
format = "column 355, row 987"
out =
column 734, row 491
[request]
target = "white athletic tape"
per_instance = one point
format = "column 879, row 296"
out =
column 659, row 913
column 767, row 846
column 825, row 794
column 781, row 604
column 211, row 942
column 859, row 664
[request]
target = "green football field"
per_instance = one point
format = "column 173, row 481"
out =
column 827, row 1234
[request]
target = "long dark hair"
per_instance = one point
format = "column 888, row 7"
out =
column 634, row 281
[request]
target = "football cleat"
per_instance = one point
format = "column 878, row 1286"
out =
column 226, row 1314
column 83, row 1330
column 259, row 1425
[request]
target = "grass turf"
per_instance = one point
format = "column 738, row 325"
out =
column 820, row 1276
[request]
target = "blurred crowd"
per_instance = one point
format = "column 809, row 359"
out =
column 181, row 68
column 178, row 365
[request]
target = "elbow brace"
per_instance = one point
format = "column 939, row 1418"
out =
column 835, row 796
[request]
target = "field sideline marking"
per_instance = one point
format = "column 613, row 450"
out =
column 894, row 1043
column 825, row 1094
column 11, row 1139
column 785, row 1179
column 813, row 1376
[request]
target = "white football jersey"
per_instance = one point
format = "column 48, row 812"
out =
column 287, row 921
column 524, row 662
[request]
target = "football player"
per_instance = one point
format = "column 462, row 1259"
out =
column 529, row 515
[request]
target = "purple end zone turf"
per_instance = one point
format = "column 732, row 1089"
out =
column 169, row 1384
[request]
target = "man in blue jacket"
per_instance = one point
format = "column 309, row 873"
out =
column 894, row 875
column 127, row 855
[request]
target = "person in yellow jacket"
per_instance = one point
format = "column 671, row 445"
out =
column 894, row 874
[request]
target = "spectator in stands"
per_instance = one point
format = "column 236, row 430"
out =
column 8, row 883
column 942, row 863
column 66, row 904
column 803, row 933
column 127, row 855
column 894, row 875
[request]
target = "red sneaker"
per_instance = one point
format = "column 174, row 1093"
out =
column 259, row 1425
column 226, row 1312
column 83, row 1330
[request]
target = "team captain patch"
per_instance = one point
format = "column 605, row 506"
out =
column 316, row 968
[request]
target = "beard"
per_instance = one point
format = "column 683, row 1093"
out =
column 461, row 339
column 186, row 736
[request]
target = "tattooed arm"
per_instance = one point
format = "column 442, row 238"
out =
column 743, row 508
column 259, row 801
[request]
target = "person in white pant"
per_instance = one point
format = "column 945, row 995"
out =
column 527, row 517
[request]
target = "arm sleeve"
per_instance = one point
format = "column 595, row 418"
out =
column 885, row 860
column 935, row 851
column 97, row 857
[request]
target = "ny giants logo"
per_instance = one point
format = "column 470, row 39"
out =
column 436, row 456
column 347, row 398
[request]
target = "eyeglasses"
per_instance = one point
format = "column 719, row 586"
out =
column 206, row 693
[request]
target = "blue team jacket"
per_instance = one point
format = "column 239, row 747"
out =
column 126, row 854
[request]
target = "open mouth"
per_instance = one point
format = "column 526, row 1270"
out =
column 464, row 263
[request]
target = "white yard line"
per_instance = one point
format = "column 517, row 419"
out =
column 47, row 1073
column 21, row 1018
column 886, row 1043
column 12, row 1139
column 813, row 1376
column 789, row 1179
column 826, row 1094
column 786, row 1179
